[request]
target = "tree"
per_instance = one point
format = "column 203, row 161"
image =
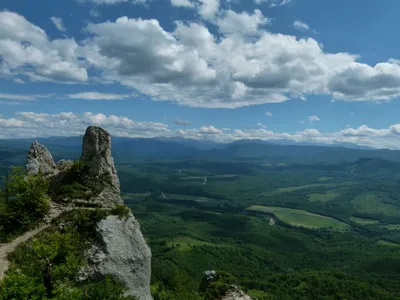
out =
column 23, row 201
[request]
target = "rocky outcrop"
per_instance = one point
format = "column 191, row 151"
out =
column 40, row 161
column 119, row 248
column 96, row 154
column 219, row 285
column 236, row 294
column 123, row 253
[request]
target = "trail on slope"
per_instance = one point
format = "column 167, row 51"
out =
column 6, row 249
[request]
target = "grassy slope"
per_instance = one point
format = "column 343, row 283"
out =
column 297, row 217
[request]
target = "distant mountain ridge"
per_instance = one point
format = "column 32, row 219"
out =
column 271, row 151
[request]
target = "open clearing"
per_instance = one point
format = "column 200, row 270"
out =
column 298, row 217
column 363, row 221
column 388, row 244
column 392, row 227
column 371, row 203
column 306, row 186
column 192, row 198
column 324, row 197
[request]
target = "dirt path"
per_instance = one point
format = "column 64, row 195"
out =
column 5, row 249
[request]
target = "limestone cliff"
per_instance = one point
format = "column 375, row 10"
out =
column 119, row 248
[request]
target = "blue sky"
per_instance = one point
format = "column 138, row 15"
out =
column 301, row 70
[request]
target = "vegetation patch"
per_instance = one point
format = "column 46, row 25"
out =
column 392, row 227
column 388, row 244
column 78, row 183
column 306, row 187
column 46, row 267
column 23, row 203
column 363, row 221
column 370, row 203
column 186, row 243
column 301, row 218
column 323, row 197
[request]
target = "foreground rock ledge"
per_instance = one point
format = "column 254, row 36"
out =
column 120, row 249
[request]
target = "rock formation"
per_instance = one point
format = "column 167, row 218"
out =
column 119, row 248
column 123, row 253
column 236, row 294
column 96, row 154
column 40, row 161
column 221, row 283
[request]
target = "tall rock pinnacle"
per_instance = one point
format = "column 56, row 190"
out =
column 96, row 154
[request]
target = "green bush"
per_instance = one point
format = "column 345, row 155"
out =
column 121, row 210
column 217, row 286
column 46, row 266
column 23, row 202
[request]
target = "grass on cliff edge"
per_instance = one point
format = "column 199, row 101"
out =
column 46, row 267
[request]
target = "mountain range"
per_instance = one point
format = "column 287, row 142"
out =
column 12, row 151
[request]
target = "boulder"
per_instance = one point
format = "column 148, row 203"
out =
column 40, row 161
column 121, row 251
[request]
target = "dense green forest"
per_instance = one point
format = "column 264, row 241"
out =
column 279, row 230
column 193, row 226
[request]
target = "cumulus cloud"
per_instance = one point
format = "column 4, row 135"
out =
column 241, row 65
column 58, row 22
column 241, row 23
column 209, row 130
column 300, row 25
column 182, row 3
column 26, row 50
column 268, row 114
column 273, row 3
column 30, row 124
column 208, row 8
column 313, row 118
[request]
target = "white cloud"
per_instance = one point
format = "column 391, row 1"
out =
column 241, row 23
column 268, row 114
column 113, row 2
column 95, row 13
column 19, row 81
column 58, row 22
column 300, row 25
column 30, row 124
column 182, row 3
column 181, row 122
column 273, row 3
column 209, row 130
column 192, row 66
column 99, row 96
column 23, row 97
column 26, row 50
column 208, row 8
column 358, row 81
column 313, row 118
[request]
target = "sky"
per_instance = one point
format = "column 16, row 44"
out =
column 299, row 70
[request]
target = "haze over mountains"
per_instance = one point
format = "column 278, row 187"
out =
column 272, row 152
